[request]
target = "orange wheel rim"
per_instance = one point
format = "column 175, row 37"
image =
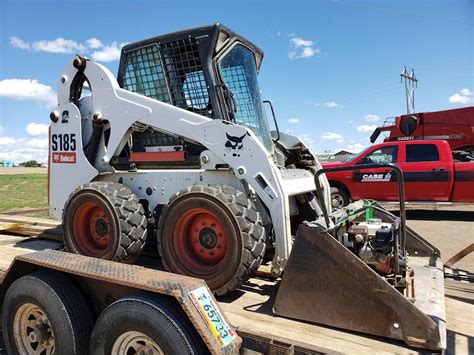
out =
column 92, row 229
column 200, row 239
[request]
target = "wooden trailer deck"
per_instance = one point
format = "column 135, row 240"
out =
column 249, row 309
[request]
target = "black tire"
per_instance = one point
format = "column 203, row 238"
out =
column 59, row 300
column 122, row 231
column 339, row 197
column 159, row 319
column 243, row 232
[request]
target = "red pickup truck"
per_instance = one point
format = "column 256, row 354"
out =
column 430, row 173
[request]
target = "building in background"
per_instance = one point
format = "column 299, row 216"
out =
column 338, row 156
column 6, row 164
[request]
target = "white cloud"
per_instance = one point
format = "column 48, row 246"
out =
column 308, row 140
column 300, row 42
column 355, row 148
column 19, row 43
column 331, row 135
column 331, row 104
column 302, row 48
column 340, row 140
column 366, row 128
column 59, row 45
column 37, row 129
column 24, row 149
column 108, row 53
column 462, row 97
column 27, row 89
column 40, row 143
column 94, row 43
column 371, row 118
column 350, row 121
column 6, row 140
column 293, row 120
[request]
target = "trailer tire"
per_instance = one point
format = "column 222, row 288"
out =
column 46, row 301
column 105, row 220
column 214, row 233
column 339, row 197
column 145, row 319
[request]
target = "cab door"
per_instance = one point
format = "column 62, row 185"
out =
column 381, row 183
column 428, row 172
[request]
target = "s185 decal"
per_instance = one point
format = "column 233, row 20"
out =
column 63, row 142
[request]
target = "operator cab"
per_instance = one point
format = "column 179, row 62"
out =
column 210, row 71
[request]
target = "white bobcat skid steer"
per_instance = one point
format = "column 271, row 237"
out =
column 180, row 153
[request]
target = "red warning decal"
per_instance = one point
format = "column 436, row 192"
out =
column 64, row 158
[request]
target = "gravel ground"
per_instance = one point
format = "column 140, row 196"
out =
column 450, row 229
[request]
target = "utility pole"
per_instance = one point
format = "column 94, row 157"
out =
column 411, row 82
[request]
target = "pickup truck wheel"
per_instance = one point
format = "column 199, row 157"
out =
column 339, row 197
column 105, row 220
column 44, row 313
column 144, row 324
column 214, row 233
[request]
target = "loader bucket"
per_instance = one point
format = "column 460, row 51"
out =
column 326, row 283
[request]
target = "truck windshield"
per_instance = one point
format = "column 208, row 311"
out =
column 239, row 72
column 355, row 156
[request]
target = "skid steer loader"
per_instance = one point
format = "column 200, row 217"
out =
column 178, row 149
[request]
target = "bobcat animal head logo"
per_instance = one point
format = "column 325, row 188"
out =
column 235, row 143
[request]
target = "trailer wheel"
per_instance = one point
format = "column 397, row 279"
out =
column 105, row 220
column 44, row 313
column 214, row 233
column 339, row 197
column 144, row 324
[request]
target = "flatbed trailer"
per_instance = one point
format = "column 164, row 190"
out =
column 249, row 310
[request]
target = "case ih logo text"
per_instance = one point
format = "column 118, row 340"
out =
column 376, row 177
column 64, row 158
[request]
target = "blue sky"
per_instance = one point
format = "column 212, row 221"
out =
column 331, row 68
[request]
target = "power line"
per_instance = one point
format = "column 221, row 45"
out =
column 411, row 83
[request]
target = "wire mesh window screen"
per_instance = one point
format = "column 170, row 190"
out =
column 171, row 73
column 239, row 72
column 144, row 75
column 236, row 80
column 184, row 70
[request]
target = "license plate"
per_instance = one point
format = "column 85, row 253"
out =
column 206, row 305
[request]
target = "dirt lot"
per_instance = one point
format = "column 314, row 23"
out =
column 450, row 229
column 22, row 170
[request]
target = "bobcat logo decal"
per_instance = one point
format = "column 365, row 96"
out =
column 235, row 143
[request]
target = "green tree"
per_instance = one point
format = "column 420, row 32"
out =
column 30, row 164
